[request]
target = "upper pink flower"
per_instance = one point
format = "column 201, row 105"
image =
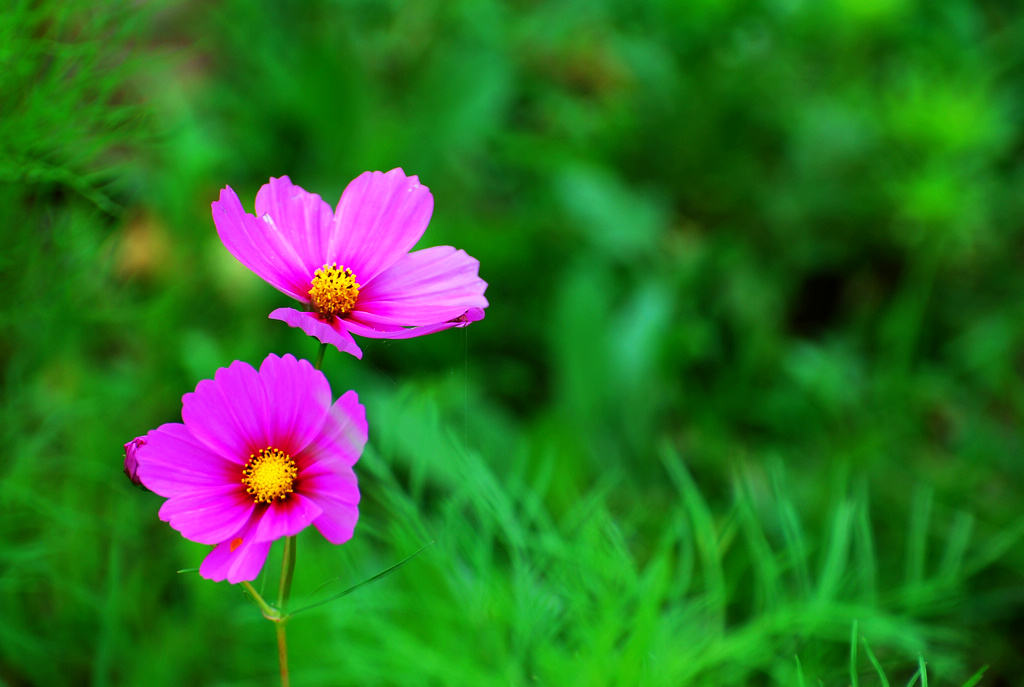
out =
column 353, row 268
column 261, row 455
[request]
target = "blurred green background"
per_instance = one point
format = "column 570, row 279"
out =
column 745, row 408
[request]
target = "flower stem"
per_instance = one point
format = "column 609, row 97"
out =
column 283, row 592
column 282, row 653
column 269, row 612
column 287, row 568
column 280, row 614
column 320, row 357
column 277, row 615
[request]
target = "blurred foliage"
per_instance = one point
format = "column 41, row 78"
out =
column 751, row 382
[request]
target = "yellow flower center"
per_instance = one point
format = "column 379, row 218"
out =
column 334, row 290
column 269, row 475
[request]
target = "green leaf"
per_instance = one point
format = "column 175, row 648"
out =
column 976, row 678
column 378, row 576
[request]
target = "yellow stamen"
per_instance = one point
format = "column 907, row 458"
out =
column 334, row 290
column 269, row 475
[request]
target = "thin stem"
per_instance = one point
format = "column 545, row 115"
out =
column 320, row 356
column 282, row 653
column 280, row 614
column 269, row 612
column 287, row 568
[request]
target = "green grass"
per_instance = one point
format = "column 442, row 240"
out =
column 745, row 408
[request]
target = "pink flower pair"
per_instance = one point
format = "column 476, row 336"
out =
column 263, row 454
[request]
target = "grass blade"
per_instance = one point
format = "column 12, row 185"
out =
column 874, row 661
column 853, row 655
column 956, row 547
column 917, row 546
column 704, row 531
column 976, row 678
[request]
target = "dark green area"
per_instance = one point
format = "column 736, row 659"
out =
column 751, row 383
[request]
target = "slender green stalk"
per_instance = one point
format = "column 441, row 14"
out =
column 320, row 357
column 282, row 653
column 283, row 592
column 269, row 612
column 287, row 568
column 280, row 614
column 853, row 655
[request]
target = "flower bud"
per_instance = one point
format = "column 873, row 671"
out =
column 131, row 463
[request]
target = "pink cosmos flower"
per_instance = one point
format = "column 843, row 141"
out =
column 353, row 268
column 260, row 456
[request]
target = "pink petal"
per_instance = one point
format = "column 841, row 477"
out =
column 337, row 493
column 426, row 287
column 172, row 462
column 238, row 558
column 333, row 332
column 261, row 246
column 287, row 517
column 392, row 332
column 471, row 315
column 229, row 413
column 299, row 397
column 340, row 440
column 379, row 219
column 303, row 218
column 208, row 515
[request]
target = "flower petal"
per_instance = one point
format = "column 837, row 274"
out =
column 229, row 412
column 337, row 493
column 333, row 332
column 379, row 219
column 238, row 558
column 302, row 218
column 172, row 462
column 426, row 287
column 261, row 246
column 382, row 331
column 208, row 515
column 286, row 518
column 325, row 468
column 300, row 398
column 340, row 440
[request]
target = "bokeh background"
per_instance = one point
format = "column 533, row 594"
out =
column 746, row 405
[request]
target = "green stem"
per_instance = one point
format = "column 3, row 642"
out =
column 280, row 614
column 320, row 357
column 287, row 568
column 269, row 612
column 282, row 653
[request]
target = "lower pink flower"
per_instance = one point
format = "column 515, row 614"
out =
column 261, row 455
